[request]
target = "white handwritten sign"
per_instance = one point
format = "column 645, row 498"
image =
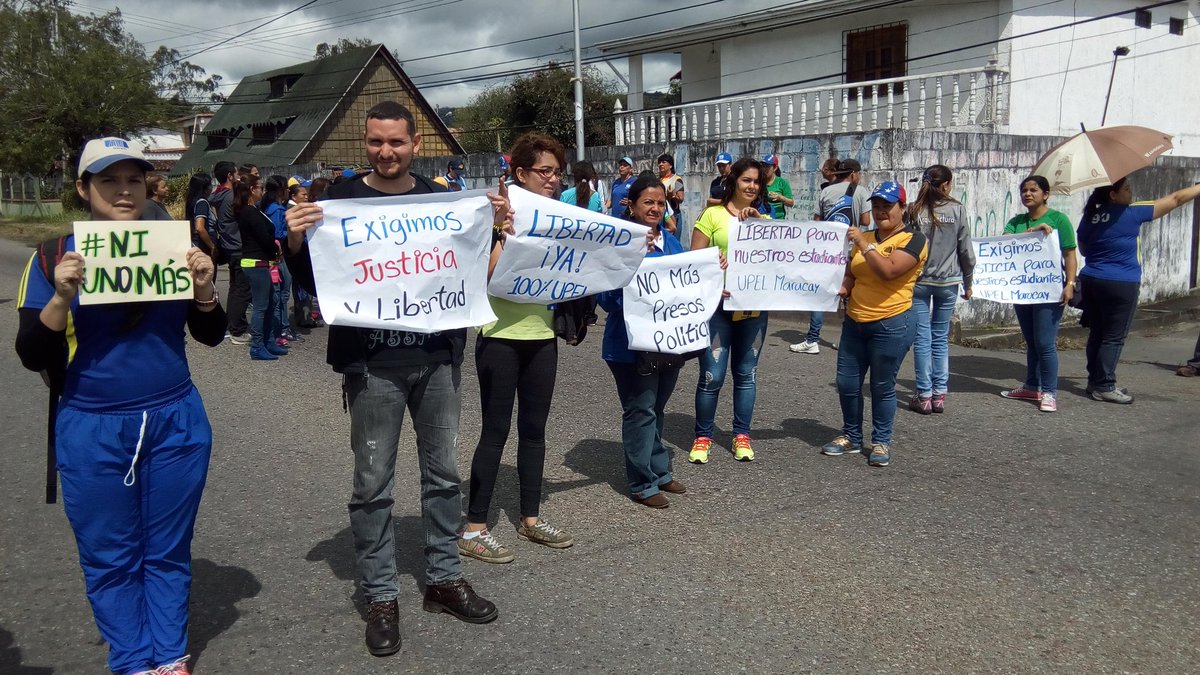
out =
column 415, row 263
column 671, row 299
column 785, row 265
column 1021, row 269
column 133, row 260
column 561, row 252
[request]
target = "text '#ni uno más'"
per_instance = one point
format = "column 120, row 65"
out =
column 357, row 230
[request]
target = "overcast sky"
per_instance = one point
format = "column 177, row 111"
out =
column 443, row 29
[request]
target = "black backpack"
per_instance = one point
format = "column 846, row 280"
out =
column 48, row 255
column 842, row 210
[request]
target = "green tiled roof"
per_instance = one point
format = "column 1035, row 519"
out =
column 304, row 108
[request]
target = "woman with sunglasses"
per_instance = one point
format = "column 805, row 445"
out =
column 516, row 359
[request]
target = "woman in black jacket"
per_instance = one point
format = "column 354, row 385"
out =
column 259, row 251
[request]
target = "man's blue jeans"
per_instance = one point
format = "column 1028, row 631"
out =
column 934, row 305
column 1039, row 327
column 815, row 321
column 377, row 400
column 643, row 402
column 878, row 346
column 733, row 344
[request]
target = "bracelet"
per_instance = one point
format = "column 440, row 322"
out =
column 216, row 297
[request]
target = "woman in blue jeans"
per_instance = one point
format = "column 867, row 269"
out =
column 880, row 325
column 259, row 251
column 274, row 205
column 943, row 221
column 1112, row 276
column 737, row 337
column 643, row 388
column 1039, row 323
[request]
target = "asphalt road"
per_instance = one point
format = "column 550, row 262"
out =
column 1000, row 539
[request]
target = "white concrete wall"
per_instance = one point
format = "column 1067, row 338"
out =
column 780, row 58
column 1059, row 82
column 701, row 68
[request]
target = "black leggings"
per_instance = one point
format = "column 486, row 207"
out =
column 521, row 372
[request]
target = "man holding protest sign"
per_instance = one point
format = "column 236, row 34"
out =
column 102, row 314
column 384, row 372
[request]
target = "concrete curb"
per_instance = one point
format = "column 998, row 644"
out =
column 1165, row 313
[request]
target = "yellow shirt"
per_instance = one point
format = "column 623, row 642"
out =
column 874, row 298
column 715, row 223
column 519, row 321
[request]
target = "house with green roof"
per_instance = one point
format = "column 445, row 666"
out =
column 313, row 113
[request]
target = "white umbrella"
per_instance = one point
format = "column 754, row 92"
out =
column 1100, row 157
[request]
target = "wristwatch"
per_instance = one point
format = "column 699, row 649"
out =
column 216, row 297
column 869, row 248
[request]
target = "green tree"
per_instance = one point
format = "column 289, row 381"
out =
column 66, row 78
column 325, row 50
column 540, row 101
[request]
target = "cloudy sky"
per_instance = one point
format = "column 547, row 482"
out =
column 440, row 42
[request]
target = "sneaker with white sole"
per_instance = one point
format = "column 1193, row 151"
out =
column 699, row 452
column 1021, row 393
column 1048, row 403
column 881, row 455
column 485, row 547
column 545, row 534
column 1121, row 396
column 806, row 347
column 841, row 445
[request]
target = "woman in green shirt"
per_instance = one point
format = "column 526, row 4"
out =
column 516, row 359
column 1039, row 323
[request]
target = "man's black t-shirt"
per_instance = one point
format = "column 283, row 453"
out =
column 353, row 349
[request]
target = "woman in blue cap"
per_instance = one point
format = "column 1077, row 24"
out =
column 880, row 324
column 132, row 437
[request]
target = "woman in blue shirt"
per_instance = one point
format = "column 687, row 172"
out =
column 132, row 440
column 643, row 391
column 1112, row 276
column 582, row 195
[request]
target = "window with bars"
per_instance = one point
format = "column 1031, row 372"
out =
column 877, row 53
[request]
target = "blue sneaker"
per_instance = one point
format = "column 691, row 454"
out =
column 840, row 446
column 277, row 349
column 881, row 455
column 261, row 354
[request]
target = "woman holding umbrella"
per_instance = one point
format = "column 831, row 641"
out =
column 1112, row 275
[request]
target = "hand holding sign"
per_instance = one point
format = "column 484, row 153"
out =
column 785, row 265
column 68, row 276
column 671, row 299
column 561, row 252
column 130, row 261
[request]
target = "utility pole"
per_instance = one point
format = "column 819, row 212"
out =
column 578, row 90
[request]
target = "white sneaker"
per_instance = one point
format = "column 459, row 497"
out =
column 806, row 347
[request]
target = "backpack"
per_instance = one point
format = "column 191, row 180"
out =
column 48, row 254
column 842, row 210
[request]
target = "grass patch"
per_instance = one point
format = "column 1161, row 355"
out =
column 32, row 229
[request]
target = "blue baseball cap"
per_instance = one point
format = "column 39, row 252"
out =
column 724, row 158
column 890, row 191
column 626, row 160
column 771, row 159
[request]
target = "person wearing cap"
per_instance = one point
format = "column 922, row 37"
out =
column 673, row 184
column 779, row 191
column 880, row 323
column 505, row 169
column 132, row 438
column 619, row 201
column 843, row 201
column 716, row 189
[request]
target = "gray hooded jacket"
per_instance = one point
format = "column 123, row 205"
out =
column 951, row 258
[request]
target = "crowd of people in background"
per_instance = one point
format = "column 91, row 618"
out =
column 908, row 263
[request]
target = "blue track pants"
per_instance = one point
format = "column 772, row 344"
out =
column 131, row 484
